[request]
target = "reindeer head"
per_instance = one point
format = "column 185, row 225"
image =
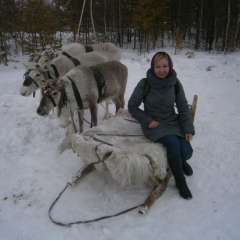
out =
column 33, row 79
column 53, row 95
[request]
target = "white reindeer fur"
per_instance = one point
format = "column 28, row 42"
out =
column 109, row 50
column 63, row 63
column 115, row 75
column 129, row 167
column 127, row 163
column 50, row 53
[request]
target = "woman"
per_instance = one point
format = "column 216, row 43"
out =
column 159, row 121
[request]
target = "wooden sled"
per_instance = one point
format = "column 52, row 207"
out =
column 152, row 197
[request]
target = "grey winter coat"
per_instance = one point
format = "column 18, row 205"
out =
column 159, row 106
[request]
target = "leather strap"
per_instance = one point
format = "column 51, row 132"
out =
column 89, row 49
column 65, row 54
column 75, row 61
column 55, row 70
column 76, row 94
column 100, row 82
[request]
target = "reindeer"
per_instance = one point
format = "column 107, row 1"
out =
column 84, row 87
column 55, row 67
column 109, row 50
column 36, row 75
column 34, row 57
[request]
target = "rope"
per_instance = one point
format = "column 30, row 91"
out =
column 84, row 221
column 84, row 172
column 120, row 135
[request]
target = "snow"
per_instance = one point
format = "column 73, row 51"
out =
column 33, row 174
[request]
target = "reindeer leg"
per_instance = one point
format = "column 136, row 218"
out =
column 155, row 194
column 107, row 115
column 73, row 128
column 93, row 111
column 80, row 119
column 117, row 103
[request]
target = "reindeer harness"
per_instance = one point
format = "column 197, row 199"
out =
column 28, row 80
column 100, row 84
column 87, row 49
column 74, row 60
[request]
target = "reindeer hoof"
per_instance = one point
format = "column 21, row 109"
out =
column 143, row 209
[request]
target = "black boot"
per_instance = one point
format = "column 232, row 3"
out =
column 187, row 169
column 175, row 164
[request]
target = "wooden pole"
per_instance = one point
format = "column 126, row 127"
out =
column 80, row 21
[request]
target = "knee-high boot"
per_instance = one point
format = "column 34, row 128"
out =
column 175, row 164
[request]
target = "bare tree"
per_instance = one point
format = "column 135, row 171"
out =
column 80, row 21
column 199, row 26
column 227, row 27
column 93, row 26
column 237, row 27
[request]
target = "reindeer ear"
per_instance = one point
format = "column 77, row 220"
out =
column 51, row 54
column 37, row 57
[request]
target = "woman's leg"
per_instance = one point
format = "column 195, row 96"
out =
column 186, row 149
column 186, row 153
column 173, row 146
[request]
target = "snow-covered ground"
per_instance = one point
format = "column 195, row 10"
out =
column 33, row 174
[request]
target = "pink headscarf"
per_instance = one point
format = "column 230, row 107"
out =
column 169, row 62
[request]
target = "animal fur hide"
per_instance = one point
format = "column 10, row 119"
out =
column 129, row 156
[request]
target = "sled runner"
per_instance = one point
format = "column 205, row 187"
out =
column 118, row 146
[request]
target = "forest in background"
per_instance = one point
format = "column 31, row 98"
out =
column 201, row 25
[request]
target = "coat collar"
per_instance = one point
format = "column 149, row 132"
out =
column 156, row 82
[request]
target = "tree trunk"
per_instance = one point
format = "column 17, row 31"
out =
column 93, row 26
column 120, row 23
column 199, row 27
column 104, row 20
column 79, row 25
column 227, row 27
column 237, row 28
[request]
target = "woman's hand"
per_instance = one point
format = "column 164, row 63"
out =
column 188, row 136
column 153, row 124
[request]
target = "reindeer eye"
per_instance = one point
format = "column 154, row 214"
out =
column 54, row 94
column 37, row 75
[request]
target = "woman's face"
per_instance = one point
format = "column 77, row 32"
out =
column 161, row 68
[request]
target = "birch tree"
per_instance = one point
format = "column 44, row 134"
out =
column 80, row 22
column 237, row 28
column 227, row 27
